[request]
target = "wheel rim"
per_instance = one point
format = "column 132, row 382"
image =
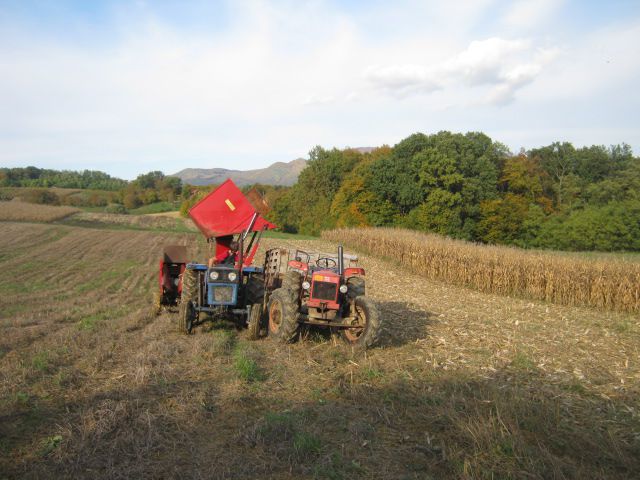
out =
column 353, row 334
column 275, row 316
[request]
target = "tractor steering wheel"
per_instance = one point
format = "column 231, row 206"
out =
column 326, row 262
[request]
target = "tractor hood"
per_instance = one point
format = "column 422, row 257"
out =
column 226, row 211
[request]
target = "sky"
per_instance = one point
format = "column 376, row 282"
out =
column 130, row 86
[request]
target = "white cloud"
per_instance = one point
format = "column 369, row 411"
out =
column 403, row 80
column 502, row 65
column 484, row 61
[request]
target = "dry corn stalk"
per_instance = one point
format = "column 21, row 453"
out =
column 569, row 280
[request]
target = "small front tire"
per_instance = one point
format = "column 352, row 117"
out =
column 255, row 322
column 188, row 314
column 187, row 317
column 366, row 324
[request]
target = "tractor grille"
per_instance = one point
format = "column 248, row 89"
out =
column 222, row 294
column 324, row 291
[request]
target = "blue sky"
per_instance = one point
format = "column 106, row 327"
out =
column 132, row 86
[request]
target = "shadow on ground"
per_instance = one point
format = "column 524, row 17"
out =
column 514, row 424
column 404, row 323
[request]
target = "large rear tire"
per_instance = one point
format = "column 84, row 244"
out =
column 292, row 281
column 188, row 315
column 283, row 315
column 366, row 325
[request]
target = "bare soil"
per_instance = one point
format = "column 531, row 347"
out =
column 464, row 384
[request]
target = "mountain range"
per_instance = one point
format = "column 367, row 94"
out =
column 279, row 173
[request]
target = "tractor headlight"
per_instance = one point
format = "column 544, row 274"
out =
column 233, row 276
column 213, row 275
column 306, row 285
column 343, row 288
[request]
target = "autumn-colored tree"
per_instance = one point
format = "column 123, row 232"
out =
column 502, row 218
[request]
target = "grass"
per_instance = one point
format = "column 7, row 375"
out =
column 158, row 207
column 102, row 279
column 223, row 341
column 287, row 236
column 245, row 365
column 522, row 362
column 50, row 444
column 40, row 361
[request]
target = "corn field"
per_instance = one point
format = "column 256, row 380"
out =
column 609, row 284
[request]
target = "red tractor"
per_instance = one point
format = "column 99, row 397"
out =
column 317, row 289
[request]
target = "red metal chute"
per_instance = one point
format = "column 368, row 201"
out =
column 226, row 211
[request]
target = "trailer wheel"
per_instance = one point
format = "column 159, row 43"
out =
column 355, row 287
column 283, row 315
column 187, row 314
column 255, row 321
column 366, row 326
column 292, row 281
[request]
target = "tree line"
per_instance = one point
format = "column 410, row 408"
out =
column 45, row 178
column 98, row 188
column 465, row 186
column 470, row 187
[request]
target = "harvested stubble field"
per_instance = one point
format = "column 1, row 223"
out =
column 609, row 283
column 464, row 385
column 161, row 222
column 18, row 211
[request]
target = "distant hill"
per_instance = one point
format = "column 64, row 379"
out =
column 279, row 173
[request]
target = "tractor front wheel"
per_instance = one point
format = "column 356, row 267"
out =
column 283, row 315
column 187, row 317
column 366, row 324
column 255, row 321
column 188, row 314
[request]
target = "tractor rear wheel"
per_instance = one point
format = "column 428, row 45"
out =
column 366, row 324
column 283, row 315
column 188, row 315
column 255, row 321
column 292, row 281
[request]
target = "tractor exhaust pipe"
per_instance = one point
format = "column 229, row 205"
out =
column 340, row 261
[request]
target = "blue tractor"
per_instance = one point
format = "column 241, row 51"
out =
column 229, row 285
